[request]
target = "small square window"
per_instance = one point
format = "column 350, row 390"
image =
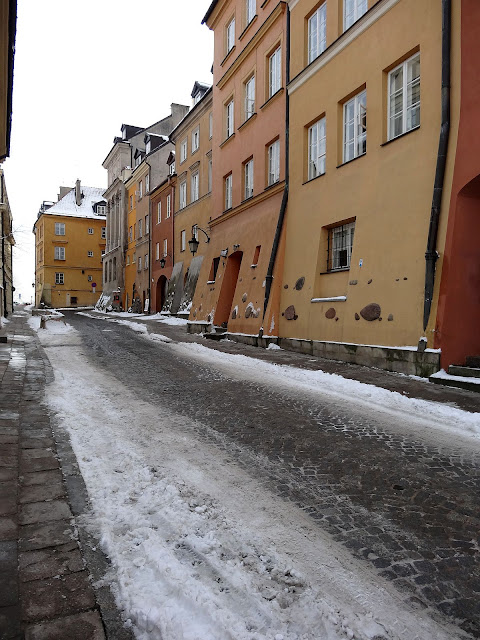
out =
column 340, row 244
column 90, row 254
column 90, row 231
column 59, row 278
column 90, row 278
column 104, row 232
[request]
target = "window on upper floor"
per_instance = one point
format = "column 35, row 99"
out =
column 165, row 248
column 194, row 187
column 340, row 244
column 130, row 234
column 169, row 205
column 274, row 162
column 140, row 229
column 404, row 97
column 183, row 150
column 147, row 183
column 316, row 149
column 182, row 240
column 195, row 139
column 157, row 251
column 248, row 179
column 171, row 168
column 249, row 97
column 131, row 203
column 59, row 253
column 229, row 119
column 353, row 10
column 90, row 231
column 230, row 35
column 104, row 233
column 275, row 72
column 147, row 224
column 183, row 194
column 210, row 125
column 59, row 278
column 145, row 262
column 159, row 212
column 139, row 263
column 59, row 228
column 228, row 188
column 210, row 175
column 250, row 10
column 101, row 209
column 90, row 254
column 317, row 32
column 355, row 127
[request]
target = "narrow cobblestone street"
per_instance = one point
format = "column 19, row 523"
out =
column 405, row 504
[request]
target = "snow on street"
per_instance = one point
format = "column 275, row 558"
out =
column 200, row 549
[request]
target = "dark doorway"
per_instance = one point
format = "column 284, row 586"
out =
column 227, row 291
column 162, row 283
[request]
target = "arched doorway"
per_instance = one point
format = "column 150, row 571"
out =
column 161, row 293
column 229, row 284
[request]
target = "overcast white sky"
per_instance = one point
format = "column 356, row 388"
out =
column 81, row 70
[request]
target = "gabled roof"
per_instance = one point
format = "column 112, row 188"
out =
column 68, row 207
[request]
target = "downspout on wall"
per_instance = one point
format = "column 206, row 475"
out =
column 431, row 254
column 283, row 206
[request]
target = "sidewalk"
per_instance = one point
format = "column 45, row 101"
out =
column 406, row 385
column 45, row 584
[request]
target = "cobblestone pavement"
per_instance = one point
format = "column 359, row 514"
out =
column 45, row 584
column 406, row 506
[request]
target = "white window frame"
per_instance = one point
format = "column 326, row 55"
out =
column 229, row 118
column 90, row 254
column 317, row 32
column 145, row 262
column 274, row 162
column 183, row 240
column 353, row 10
column 195, row 139
column 140, row 189
column 250, row 10
column 140, row 228
column 194, row 187
column 59, row 278
column 90, row 231
column 59, row 253
column 340, row 246
column 355, row 127
column 147, row 224
column 101, row 209
column 210, row 125
column 169, row 205
column 159, row 212
column 249, row 97
column 59, row 228
column 165, row 248
column 171, row 168
column 104, row 233
column 157, row 251
column 275, row 72
column 183, row 150
column 139, row 265
column 90, row 278
column 228, row 191
column 210, row 175
column 183, row 194
column 317, row 152
column 147, row 183
column 248, row 179
column 230, row 35
column 403, row 92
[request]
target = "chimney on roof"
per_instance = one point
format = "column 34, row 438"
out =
column 78, row 194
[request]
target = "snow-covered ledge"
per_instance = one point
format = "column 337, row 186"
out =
column 332, row 299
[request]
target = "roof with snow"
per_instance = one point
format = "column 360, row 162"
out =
column 68, row 207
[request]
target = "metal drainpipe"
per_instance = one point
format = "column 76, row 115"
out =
column 283, row 206
column 431, row 254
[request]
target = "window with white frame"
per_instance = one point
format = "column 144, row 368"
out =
column 210, row 125
column 169, row 205
column 404, row 97
column 145, row 262
column 59, row 253
column 139, row 264
column 59, row 278
column 210, row 175
column 229, row 118
column 250, row 10
column 183, row 194
column 130, row 234
column 274, row 162
column 159, row 212
column 147, row 224
column 140, row 189
column 183, row 150
column 165, row 248
column 90, row 231
column 182, row 240
column 101, row 209
column 140, row 228
column 59, row 228
column 353, row 10
column 147, row 183
column 134, row 257
column 230, row 35
column 104, row 233
column 228, row 191
column 195, row 139
column 317, row 32
column 248, row 179
column 316, row 149
column 249, row 97
column 90, row 278
column 131, row 202
column 355, row 127
column 340, row 243
column 90, row 254
column 194, row 187
column 157, row 251
column 171, row 169
column 128, row 260
column 275, row 72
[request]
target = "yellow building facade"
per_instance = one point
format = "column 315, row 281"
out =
column 69, row 243
column 365, row 116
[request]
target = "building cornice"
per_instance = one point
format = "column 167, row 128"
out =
column 252, row 44
column 356, row 30
column 247, row 204
column 192, row 117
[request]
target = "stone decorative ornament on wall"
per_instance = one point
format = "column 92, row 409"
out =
column 357, row 317
column 371, row 312
column 299, row 283
column 244, row 297
column 330, row 313
column 289, row 313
